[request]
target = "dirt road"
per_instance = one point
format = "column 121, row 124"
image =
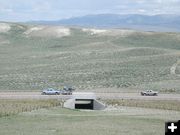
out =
column 37, row 95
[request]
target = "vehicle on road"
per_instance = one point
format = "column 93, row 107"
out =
column 51, row 91
column 149, row 93
column 66, row 92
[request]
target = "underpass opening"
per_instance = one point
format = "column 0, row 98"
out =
column 84, row 104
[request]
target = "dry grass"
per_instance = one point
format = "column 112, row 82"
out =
column 11, row 107
column 157, row 104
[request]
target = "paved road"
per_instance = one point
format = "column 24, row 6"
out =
column 30, row 95
column 138, row 96
column 37, row 95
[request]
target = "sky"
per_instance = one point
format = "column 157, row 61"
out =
column 28, row 10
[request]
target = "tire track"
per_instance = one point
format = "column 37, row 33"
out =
column 173, row 68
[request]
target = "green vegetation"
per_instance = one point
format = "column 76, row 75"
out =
column 155, row 104
column 43, row 117
column 55, row 121
column 12, row 107
column 138, row 60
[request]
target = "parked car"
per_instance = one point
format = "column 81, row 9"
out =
column 50, row 91
column 149, row 93
column 66, row 92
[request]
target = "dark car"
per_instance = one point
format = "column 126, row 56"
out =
column 68, row 88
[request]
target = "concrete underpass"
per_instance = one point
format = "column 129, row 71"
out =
column 84, row 101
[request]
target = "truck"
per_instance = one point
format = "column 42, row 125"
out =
column 149, row 93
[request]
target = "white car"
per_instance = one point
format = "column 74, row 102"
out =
column 149, row 93
column 50, row 91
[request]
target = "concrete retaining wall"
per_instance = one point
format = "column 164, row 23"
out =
column 98, row 105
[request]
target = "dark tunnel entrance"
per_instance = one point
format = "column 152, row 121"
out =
column 84, row 104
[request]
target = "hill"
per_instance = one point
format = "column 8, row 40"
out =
column 34, row 57
column 165, row 23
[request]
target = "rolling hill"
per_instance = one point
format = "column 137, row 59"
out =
column 34, row 57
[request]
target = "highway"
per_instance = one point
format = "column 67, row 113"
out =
column 37, row 95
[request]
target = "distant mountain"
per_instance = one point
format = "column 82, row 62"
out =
column 141, row 22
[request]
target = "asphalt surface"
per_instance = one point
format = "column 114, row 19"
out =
column 37, row 95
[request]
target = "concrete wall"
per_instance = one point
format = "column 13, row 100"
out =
column 96, row 104
column 83, row 95
column 70, row 103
